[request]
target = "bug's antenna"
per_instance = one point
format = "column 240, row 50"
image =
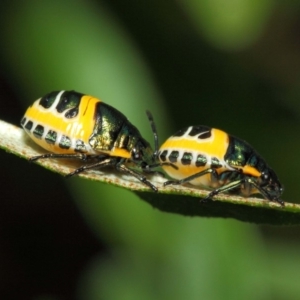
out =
column 153, row 127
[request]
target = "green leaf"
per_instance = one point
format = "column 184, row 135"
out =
column 183, row 200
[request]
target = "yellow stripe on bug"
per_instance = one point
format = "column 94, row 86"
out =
column 80, row 127
column 215, row 146
column 251, row 171
column 120, row 153
column 86, row 122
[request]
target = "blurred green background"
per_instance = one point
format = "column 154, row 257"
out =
column 229, row 64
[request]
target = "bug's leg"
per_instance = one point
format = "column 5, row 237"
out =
column 214, row 177
column 80, row 156
column 190, row 178
column 122, row 168
column 249, row 183
column 97, row 165
column 225, row 188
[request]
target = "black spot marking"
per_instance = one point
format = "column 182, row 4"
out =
column 163, row 155
column 38, row 131
column 72, row 113
column 199, row 129
column 69, row 101
column 204, row 135
column 48, row 100
column 173, row 156
column 201, row 160
column 80, row 146
column 29, row 125
column 186, row 158
column 51, row 137
column 215, row 163
column 65, row 142
column 181, row 132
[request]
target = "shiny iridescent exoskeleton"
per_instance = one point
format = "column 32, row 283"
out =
column 214, row 159
column 73, row 125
